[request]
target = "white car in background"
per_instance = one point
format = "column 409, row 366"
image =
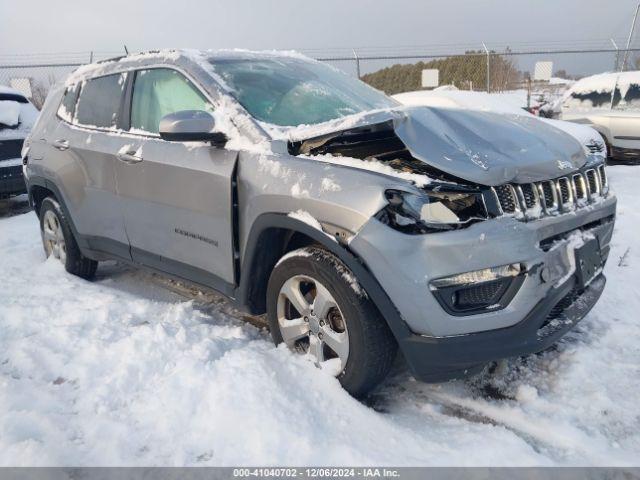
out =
column 17, row 116
column 610, row 103
column 450, row 97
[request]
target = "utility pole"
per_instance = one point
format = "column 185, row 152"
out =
column 355, row 55
column 617, row 60
column 633, row 27
column 488, row 67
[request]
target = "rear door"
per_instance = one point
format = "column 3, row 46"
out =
column 176, row 196
column 81, row 155
column 625, row 115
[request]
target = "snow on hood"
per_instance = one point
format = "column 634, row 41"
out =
column 505, row 103
column 479, row 147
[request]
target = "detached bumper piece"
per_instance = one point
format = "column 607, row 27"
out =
column 434, row 359
column 626, row 154
column 11, row 181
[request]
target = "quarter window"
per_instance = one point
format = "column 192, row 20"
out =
column 627, row 97
column 160, row 91
column 68, row 104
column 99, row 101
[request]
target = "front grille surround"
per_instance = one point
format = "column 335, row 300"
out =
column 549, row 197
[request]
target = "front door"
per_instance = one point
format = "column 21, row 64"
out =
column 176, row 196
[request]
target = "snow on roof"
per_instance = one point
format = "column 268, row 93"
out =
column 172, row 55
column 605, row 82
column 13, row 91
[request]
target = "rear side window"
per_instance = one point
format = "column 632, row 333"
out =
column 627, row 97
column 593, row 99
column 160, row 91
column 99, row 101
column 68, row 105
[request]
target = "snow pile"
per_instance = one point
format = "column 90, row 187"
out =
column 9, row 113
column 121, row 371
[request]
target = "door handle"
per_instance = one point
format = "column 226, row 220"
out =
column 129, row 157
column 61, row 144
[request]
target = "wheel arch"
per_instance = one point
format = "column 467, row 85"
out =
column 273, row 235
column 38, row 189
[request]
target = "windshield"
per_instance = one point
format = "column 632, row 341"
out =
column 290, row 91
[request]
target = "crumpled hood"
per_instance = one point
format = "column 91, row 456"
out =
column 488, row 148
column 480, row 147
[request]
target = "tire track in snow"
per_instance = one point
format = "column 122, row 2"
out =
column 545, row 435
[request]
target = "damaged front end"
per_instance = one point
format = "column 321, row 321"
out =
column 476, row 165
column 447, row 202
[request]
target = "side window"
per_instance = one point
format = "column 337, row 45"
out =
column 627, row 97
column 68, row 104
column 160, row 91
column 592, row 99
column 99, row 101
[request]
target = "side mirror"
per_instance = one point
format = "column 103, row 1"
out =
column 190, row 126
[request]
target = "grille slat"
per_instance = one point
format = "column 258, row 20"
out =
column 592, row 181
column 564, row 190
column 507, row 198
column 549, row 194
column 579, row 187
column 528, row 192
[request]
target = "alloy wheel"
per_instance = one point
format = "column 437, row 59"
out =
column 53, row 236
column 310, row 321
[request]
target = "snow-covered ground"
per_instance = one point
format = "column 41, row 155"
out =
column 125, row 371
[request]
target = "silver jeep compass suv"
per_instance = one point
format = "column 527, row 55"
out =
column 357, row 225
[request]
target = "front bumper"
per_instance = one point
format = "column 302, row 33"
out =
column 11, row 181
column 438, row 345
column 439, row 359
column 404, row 265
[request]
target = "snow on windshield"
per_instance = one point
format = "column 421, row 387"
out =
column 289, row 91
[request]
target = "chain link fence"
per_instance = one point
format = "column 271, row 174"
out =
column 391, row 70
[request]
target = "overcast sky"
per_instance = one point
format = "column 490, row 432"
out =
column 41, row 26
column 28, row 26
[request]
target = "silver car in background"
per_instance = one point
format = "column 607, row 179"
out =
column 610, row 103
column 357, row 225
column 17, row 116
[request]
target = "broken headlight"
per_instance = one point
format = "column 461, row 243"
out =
column 435, row 210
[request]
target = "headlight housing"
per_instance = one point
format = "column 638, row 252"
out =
column 441, row 208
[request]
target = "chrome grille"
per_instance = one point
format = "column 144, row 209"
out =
column 550, row 196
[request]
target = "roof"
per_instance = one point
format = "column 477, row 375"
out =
column 174, row 56
column 604, row 82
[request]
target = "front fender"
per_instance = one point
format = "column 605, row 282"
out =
column 260, row 257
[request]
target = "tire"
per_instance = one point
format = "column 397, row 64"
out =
column 58, row 240
column 371, row 345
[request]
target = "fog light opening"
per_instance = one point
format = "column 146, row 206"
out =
column 479, row 291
